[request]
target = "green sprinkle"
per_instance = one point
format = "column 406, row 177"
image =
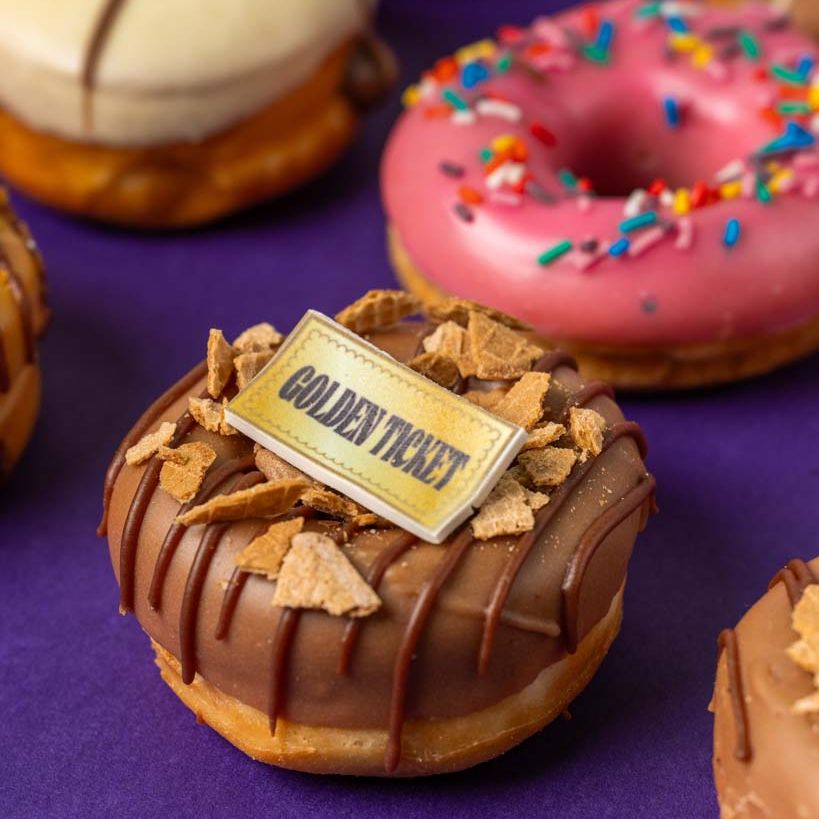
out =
column 762, row 192
column 596, row 54
column 793, row 108
column 568, row 179
column 786, row 75
column 640, row 221
column 454, row 100
column 484, row 155
column 750, row 45
column 649, row 10
column 503, row 64
column 560, row 249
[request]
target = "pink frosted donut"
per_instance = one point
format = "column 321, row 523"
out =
column 638, row 180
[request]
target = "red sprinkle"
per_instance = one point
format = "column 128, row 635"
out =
column 771, row 115
column 699, row 195
column 537, row 49
column 435, row 111
column 541, row 132
column 510, row 34
column 469, row 195
column 445, row 69
column 584, row 185
column 760, row 74
column 787, row 92
column 589, row 21
column 657, row 187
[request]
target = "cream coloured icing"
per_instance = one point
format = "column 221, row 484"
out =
column 677, row 282
column 171, row 70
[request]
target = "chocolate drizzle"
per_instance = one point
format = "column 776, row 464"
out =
column 500, row 593
column 143, row 424
column 374, row 576
column 136, row 516
column 589, row 543
column 730, row 645
column 796, row 576
column 97, row 41
column 173, row 538
column 196, row 581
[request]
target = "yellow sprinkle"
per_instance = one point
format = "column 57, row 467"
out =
column 775, row 184
column 731, row 190
column 410, row 96
column 813, row 97
column 682, row 202
column 702, row 56
column 503, row 142
column 475, row 51
column 684, row 43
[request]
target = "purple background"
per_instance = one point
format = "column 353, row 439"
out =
column 86, row 726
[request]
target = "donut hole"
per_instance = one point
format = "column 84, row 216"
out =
column 621, row 149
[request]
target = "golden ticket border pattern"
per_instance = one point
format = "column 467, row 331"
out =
column 255, row 399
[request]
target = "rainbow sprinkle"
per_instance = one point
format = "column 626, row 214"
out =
column 554, row 252
column 733, row 231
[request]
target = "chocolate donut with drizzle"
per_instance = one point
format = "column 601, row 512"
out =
column 477, row 644
column 766, row 755
column 24, row 314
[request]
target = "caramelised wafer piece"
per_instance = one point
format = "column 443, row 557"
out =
column 586, row 427
column 220, row 363
column 265, row 553
column 210, row 415
column 249, row 365
column 378, row 309
column 549, row 466
column 259, row 338
column 315, row 574
column 184, row 469
column 150, row 444
column 498, row 352
column 523, row 404
column 263, row 500
column 458, row 310
column 509, row 510
column 437, row 367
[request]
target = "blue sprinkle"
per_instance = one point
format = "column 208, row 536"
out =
column 640, row 221
column 473, row 74
column 794, row 138
column 605, row 35
column 672, row 112
column 733, row 230
column 677, row 25
column 805, row 66
column 619, row 247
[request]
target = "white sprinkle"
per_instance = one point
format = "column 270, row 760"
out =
column 463, row 117
column 749, row 186
column 685, row 234
column 814, row 124
column 505, row 198
column 646, row 241
column 499, row 108
column 680, row 9
column 667, row 198
column 733, row 170
column 636, row 203
column 510, row 173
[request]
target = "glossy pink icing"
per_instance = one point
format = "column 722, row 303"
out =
column 601, row 116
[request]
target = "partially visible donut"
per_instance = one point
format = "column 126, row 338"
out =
column 478, row 643
column 166, row 113
column 766, row 733
column 636, row 180
column 23, row 317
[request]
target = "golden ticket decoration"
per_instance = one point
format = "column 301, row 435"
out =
column 351, row 416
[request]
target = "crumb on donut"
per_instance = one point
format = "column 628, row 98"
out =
column 549, row 466
column 220, row 363
column 258, row 339
column 331, row 503
column 436, row 367
column 210, row 415
column 509, row 510
column 377, row 309
column 544, row 435
column 805, row 651
column 184, row 469
column 497, row 351
column 265, row 553
column 264, row 499
column 458, row 310
column 149, row 444
column 523, row 404
column 275, row 468
column 315, row 574
column 586, row 427
column 249, row 365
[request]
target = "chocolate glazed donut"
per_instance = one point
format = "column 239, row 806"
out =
column 457, row 665
column 766, row 757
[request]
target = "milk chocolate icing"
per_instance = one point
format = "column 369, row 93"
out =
column 766, row 757
column 463, row 625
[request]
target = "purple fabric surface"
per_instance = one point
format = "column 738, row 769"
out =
column 88, row 729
